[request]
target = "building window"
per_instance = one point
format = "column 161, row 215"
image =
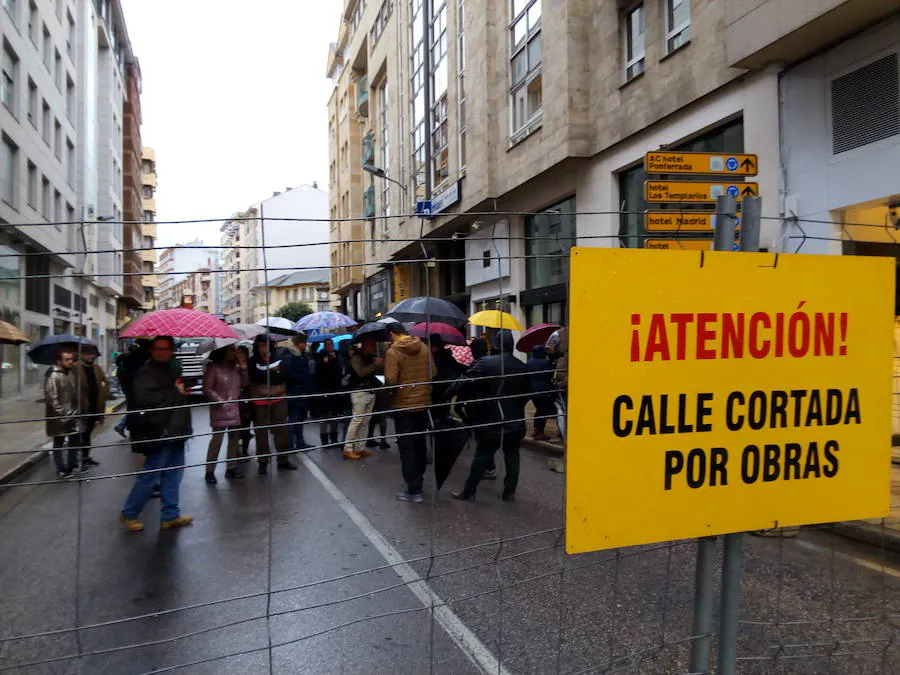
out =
column 633, row 42
column 384, row 159
column 8, row 171
column 417, row 97
column 32, row 103
column 70, row 163
column 32, row 186
column 10, row 7
column 727, row 138
column 58, row 70
column 37, row 290
column 461, row 59
column 8, row 73
column 70, row 99
column 70, row 40
column 45, row 198
column 525, row 64
column 57, row 207
column 548, row 237
column 439, row 68
column 33, row 23
column 57, row 139
column 677, row 22
column 48, row 49
column 45, row 123
column 381, row 22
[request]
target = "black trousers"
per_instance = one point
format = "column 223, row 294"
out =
column 65, row 452
column 411, row 427
column 488, row 442
column 544, row 409
column 87, row 428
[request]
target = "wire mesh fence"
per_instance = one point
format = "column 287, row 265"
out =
column 323, row 571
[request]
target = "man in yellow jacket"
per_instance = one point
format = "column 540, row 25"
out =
column 409, row 369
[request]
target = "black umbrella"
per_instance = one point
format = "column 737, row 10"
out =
column 431, row 310
column 450, row 437
column 46, row 350
column 375, row 330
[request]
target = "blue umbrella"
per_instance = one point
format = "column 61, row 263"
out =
column 324, row 321
column 314, row 339
column 44, row 353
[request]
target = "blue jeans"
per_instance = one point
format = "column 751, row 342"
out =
column 169, row 455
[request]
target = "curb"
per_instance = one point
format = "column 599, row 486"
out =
column 38, row 456
column 545, row 448
column 867, row 533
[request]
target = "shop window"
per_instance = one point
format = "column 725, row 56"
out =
column 548, row 237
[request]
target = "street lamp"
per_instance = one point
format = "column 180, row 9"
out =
column 379, row 172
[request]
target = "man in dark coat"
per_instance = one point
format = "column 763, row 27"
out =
column 300, row 384
column 127, row 366
column 159, row 426
column 497, row 390
column 543, row 391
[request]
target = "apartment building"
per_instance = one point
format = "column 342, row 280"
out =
column 309, row 287
column 58, row 126
column 449, row 99
column 149, row 182
column 176, row 264
column 131, row 302
column 293, row 225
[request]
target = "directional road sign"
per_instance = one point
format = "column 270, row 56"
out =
column 680, row 221
column 690, row 191
column 679, row 244
column 701, row 163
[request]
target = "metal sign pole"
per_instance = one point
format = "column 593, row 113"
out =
column 731, row 561
column 726, row 221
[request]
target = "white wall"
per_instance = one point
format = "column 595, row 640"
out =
column 755, row 97
column 492, row 238
column 817, row 182
column 299, row 203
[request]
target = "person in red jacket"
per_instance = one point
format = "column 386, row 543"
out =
column 223, row 380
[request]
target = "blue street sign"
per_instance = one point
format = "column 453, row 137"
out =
column 733, row 191
column 423, row 208
column 731, row 164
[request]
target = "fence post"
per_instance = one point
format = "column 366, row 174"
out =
column 704, row 579
column 731, row 561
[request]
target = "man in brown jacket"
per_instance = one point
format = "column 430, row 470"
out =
column 62, row 412
column 408, row 368
column 93, row 387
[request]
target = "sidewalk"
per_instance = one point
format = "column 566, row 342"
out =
column 18, row 436
column 878, row 532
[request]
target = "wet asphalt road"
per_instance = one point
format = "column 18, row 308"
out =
column 320, row 539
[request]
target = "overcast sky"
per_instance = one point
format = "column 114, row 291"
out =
column 234, row 102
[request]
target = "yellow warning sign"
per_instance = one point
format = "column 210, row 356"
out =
column 701, row 163
column 680, row 244
column 725, row 393
column 692, row 191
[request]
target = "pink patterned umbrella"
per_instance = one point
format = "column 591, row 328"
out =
column 179, row 322
column 463, row 355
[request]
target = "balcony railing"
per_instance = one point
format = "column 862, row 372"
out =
column 368, row 148
column 369, row 202
column 362, row 96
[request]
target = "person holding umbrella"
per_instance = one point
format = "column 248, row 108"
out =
column 408, row 368
column 223, row 380
column 268, row 389
column 364, row 366
column 62, row 422
column 300, row 385
column 93, row 388
column 329, row 374
column 159, row 426
column 497, row 391
column 543, row 393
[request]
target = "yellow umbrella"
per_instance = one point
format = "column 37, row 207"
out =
column 494, row 318
column 10, row 335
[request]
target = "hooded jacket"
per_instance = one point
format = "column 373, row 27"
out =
column 501, row 380
column 59, row 400
column 222, row 385
column 408, row 364
column 155, row 387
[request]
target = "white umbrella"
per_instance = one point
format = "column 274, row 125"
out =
column 246, row 331
column 277, row 323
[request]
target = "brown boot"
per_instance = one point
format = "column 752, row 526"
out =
column 351, row 454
